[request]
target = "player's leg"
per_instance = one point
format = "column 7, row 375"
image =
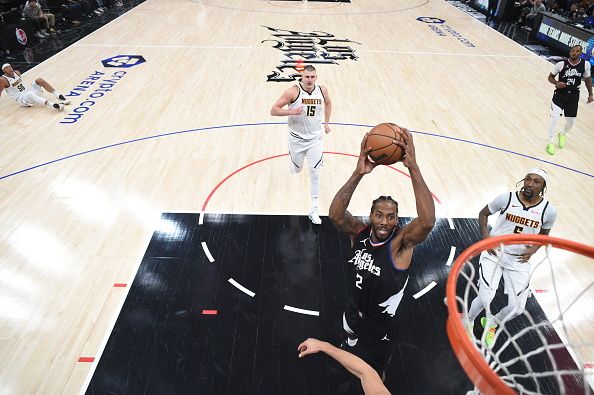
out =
column 43, row 83
column 31, row 97
column 314, row 155
column 570, row 115
column 490, row 274
column 516, row 288
column 556, row 112
column 296, row 154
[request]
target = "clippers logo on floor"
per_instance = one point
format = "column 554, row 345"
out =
column 441, row 29
column 306, row 48
column 98, row 84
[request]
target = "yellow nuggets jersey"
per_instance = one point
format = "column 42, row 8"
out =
column 308, row 124
column 514, row 217
column 16, row 86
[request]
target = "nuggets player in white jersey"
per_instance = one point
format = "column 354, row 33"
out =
column 307, row 104
column 525, row 211
column 12, row 83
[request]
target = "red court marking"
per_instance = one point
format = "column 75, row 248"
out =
column 279, row 156
column 209, row 312
column 86, row 359
column 541, row 291
column 589, row 366
column 120, row 285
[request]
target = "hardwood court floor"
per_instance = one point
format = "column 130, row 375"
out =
column 81, row 200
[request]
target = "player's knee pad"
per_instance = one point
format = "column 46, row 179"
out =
column 314, row 174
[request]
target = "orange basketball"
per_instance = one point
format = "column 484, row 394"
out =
column 381, row 141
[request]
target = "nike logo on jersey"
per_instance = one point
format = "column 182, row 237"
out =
column 364, row 261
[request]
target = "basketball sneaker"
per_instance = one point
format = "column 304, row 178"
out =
column 490, row 336
column 551, row 149
column 58, row 106
column 561, row 142
column 314, row 217
column 63, row 99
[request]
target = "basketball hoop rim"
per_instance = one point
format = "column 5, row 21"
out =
column 468, row 355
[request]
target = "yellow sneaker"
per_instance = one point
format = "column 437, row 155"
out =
column 490, row 336
column 551, row 149
column 561, row 142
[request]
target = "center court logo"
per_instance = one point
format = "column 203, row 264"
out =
column 440, row 28
column 306, row 48
column 100, row 83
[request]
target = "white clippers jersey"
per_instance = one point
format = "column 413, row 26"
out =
column 308, row 125
column 514, row 217
column 16, row 86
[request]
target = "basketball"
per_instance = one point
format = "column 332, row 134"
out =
column 381, row 141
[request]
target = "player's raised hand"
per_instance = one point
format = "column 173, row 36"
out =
column 364, row 165
column 408, row 146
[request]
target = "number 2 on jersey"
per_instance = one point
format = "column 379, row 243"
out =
column 359, row 281
column 311, row 111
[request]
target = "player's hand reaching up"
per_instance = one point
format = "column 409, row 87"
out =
column 410, row 158
column 364, row 165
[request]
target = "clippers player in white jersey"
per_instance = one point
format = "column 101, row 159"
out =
column 380, row 258
column 11, row 82
column 307, row 104
column 525, row 211
column 567, row 94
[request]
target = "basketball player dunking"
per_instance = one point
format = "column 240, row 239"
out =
column 306, row 103
column 526, row 211
column 12, row 83
column 380, row 257
column 567, row 94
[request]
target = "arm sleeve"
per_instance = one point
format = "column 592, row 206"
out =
column 557, row 68
column 588, row 70
column 499, row 203
column 549, row 218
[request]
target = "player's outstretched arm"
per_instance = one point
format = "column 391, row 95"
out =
column 370, row 380
column 288, row 96
column 342, row 219
column 588, row 82
column 418, row 230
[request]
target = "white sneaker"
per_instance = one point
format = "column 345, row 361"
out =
column 58, row 106
column 314, row 217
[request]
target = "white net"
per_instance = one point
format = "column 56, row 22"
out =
column 535, row 347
